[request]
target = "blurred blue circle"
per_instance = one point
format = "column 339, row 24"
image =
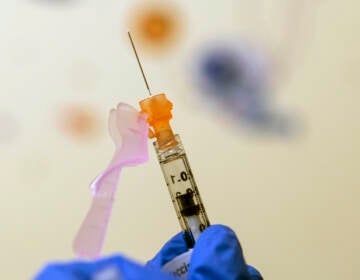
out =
column 236, row 76
column 221, row 70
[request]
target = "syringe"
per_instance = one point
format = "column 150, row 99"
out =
column 174, row 164
column 175, row 167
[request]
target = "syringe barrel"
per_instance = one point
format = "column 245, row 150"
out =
column 183, row 190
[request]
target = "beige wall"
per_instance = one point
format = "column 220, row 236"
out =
column 293, row 202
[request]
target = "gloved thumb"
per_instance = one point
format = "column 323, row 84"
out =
column 173, row 248
column 218, row 255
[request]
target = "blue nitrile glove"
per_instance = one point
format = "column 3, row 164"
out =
column 217, row 255
column 111, row 268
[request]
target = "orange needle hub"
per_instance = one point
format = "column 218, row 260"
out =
column 158, row 109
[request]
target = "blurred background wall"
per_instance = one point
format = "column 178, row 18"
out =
column 272, row 128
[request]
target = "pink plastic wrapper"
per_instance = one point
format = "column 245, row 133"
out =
column 129, row 130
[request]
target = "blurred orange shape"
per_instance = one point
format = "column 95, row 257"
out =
column 78, row 121
column 156, row 24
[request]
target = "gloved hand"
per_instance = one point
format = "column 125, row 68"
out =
column 217, row 255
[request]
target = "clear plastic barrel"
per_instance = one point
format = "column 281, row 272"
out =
column 183, row 190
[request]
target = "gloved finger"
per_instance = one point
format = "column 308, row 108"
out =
column 56, row 271
column 174, row 247
column 65, row 270
column 254, row 273
column 218, row 255
column 111, row 268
